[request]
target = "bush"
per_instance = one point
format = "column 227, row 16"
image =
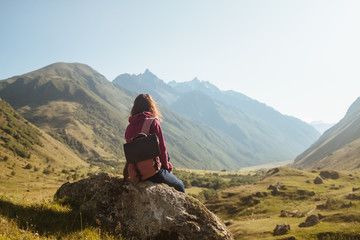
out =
column 12, row 173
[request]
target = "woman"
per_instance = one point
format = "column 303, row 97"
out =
column 145, row 107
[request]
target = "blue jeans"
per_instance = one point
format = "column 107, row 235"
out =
column 164, row 176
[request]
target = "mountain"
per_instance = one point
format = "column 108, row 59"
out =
column 27, row 153
column 320, row 126
column 144, row 83
column 338, row 147
column 255, row 126
column 74, row 104
column 82, row 109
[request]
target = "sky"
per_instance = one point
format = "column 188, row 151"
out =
column 301, row 57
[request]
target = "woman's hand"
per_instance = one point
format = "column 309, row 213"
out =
column 170, row 167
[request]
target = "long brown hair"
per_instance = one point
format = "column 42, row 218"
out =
column 144, row 102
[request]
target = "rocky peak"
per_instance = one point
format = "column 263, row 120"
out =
column 142, row 211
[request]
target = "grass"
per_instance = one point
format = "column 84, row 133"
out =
column 34, row 215
column 24, row 219
column 254, row 216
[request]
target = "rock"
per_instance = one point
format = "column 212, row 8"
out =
column 295, row 213
column 347, row 205
column 353, row 196
column 284, row 213
column 276, row 189
column 289, row 238
column 305, row 192
column 260, row 194
column 272, row 172
column 142, row 211
column 318, row 180
column 310, row 221
column 329, row 174
column 281, row 229
column 330, row 203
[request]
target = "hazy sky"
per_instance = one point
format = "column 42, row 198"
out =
column 300, row 57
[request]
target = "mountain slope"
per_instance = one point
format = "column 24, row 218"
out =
column 338, row 147
column 259, row 129
column 31, row 158
column 293, row 133
column 71, row 102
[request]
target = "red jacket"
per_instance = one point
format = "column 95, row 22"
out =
column 135, row 124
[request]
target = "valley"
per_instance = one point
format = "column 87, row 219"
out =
column 66, row 122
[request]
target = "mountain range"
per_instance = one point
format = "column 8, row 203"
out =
column 253, row 125
column 204, row 127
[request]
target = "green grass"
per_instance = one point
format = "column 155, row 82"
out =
column 24, row 219
column 24, row 216
column 254, row 216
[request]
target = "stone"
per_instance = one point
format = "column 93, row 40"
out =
column 353, row 196
column 310, row 221
column 281, row 229
column 330, row 203
column 329, row 174
column 143, row 210
column 318, row 180
column 276, row 189
column 284, row 213
column 272, row 172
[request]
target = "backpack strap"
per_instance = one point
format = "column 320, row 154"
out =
column 146, row 126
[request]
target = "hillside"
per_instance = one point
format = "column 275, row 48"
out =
column 70, row 102
column 79, row 107
column 256, row 127
column 338, row 147
column 30, row 159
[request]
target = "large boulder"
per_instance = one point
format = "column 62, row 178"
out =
column 142, row 210
column 329, row 174
column 281, row 229
column 318, row 180
column 310, row 221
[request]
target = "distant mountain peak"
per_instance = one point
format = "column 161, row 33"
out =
column 196, row 80
column 149, row 76
column 147, row 71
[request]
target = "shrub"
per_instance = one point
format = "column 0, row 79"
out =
column 12, row 173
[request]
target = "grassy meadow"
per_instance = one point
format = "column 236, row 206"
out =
column 253, row 211
column 241, row 199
